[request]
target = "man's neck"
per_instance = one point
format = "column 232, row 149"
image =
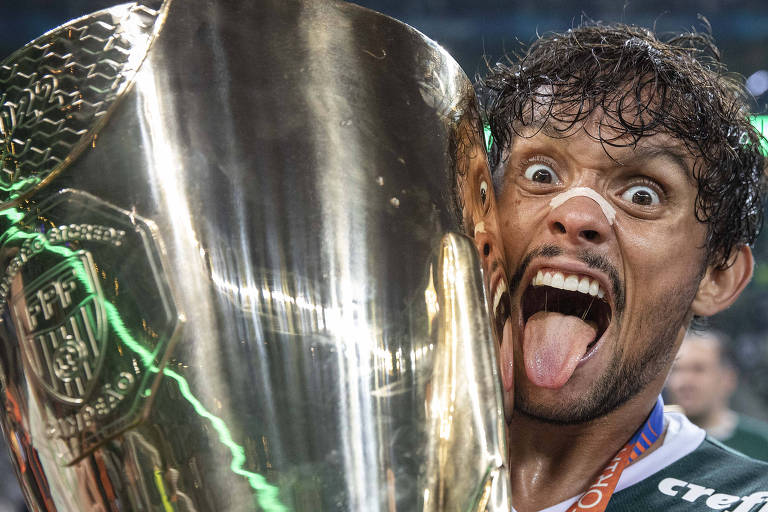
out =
column 551, row 463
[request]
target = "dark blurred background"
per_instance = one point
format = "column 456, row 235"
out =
column 469, row 29
column 480, row 31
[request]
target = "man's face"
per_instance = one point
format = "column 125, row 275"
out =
column 578, row 354
column 699, row 382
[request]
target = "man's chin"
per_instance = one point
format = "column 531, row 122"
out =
column 576, row 402
column 560, row 411
column 556, row 415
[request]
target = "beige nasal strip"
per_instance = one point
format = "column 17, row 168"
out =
column 608, row 210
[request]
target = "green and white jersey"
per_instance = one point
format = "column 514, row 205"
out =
column 689, row 472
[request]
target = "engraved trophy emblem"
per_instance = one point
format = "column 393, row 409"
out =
column 64, row 327
column 92, row 342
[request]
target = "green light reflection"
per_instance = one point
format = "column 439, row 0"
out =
column 488, row 137
column 18, row 187
column 761, row 123
column 267, row 495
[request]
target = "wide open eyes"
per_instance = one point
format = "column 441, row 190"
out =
column 642, row 195
column 541, row 173
column 483, row 192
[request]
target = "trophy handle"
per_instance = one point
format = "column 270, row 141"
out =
column 467, row 457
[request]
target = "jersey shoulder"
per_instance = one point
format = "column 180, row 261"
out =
column 712, row 477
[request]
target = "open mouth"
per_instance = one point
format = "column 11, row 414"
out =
column 564, row 316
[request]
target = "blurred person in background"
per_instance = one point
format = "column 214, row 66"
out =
column 702, row 381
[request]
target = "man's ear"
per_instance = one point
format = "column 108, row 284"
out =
column 720, row 287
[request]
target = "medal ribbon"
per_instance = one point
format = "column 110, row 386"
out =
column 599, row 493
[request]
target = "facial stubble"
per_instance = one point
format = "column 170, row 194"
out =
column 623, row 378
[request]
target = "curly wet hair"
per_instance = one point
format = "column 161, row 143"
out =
column 644, row 85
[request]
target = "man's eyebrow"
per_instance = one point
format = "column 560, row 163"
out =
column 671, row 153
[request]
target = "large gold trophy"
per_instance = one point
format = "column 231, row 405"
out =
column 232, row 276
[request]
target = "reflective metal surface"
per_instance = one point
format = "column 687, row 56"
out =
column 462, row 426
column 230, row 274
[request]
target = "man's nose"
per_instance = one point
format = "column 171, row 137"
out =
column 581, row 221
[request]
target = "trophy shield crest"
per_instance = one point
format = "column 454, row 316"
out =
column 63, row 329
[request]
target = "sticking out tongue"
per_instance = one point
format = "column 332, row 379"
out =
column 553, row 344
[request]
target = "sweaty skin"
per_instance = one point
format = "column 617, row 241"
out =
column 561, row 437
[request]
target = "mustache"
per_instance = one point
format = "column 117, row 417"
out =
column 544, row 251
column 590, row 259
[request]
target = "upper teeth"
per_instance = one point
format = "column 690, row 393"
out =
column 499, row 292
column 572, row 282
